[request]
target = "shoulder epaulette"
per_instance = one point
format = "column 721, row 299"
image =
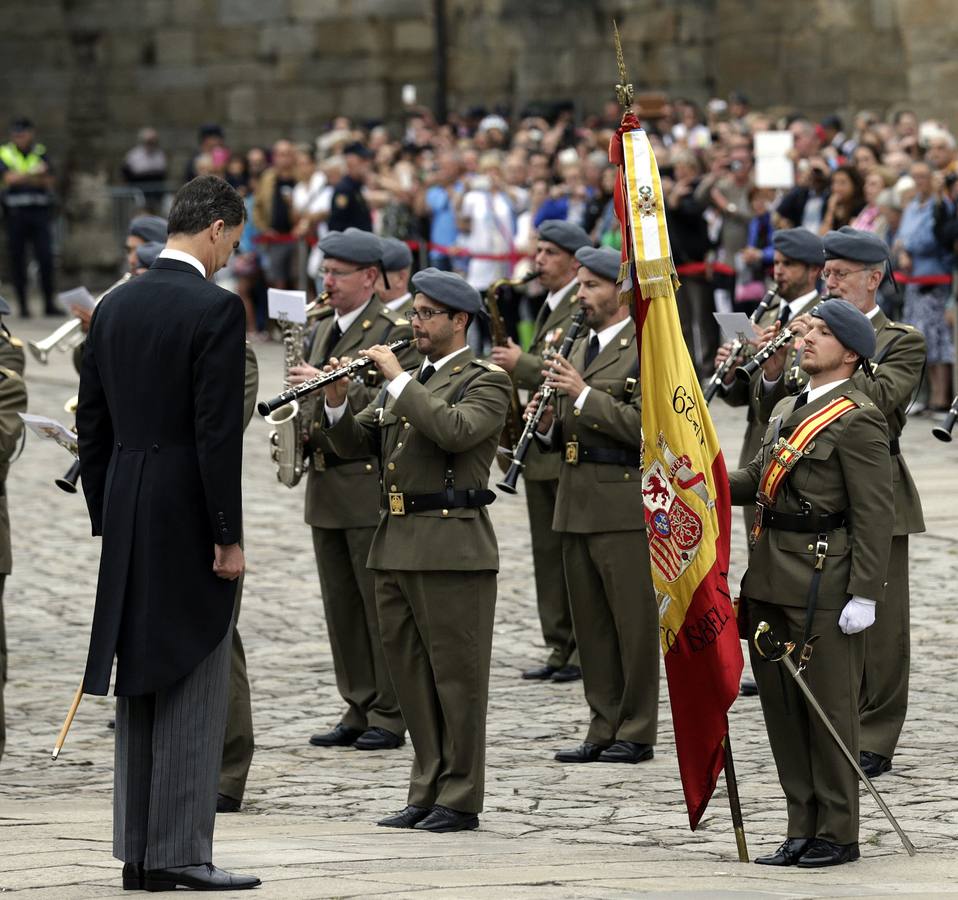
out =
column 487, row 365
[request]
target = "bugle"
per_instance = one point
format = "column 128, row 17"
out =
column 943, row 431
column 521, row 449
column 265, row 407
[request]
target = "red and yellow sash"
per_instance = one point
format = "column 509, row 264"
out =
column 788, row 451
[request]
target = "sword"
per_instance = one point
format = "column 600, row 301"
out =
column 772, row 649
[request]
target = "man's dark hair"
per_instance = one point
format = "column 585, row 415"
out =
column 200, row 202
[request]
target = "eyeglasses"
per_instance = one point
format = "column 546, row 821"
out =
column 337, row 273
column 840, row 274
column 427, row 312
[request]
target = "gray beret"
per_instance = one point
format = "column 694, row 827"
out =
column 396, row 255
column 859, row 246
column 448, row 289
column 567, row 235
column 4, row 307
column 801, row 245
column 849, row 325
column 604, row 261
column 146, row 254
column 151, row 229
column 353, row 245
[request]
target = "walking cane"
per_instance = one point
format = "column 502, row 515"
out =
column 62, row 736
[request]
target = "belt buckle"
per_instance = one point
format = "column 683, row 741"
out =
column 821, row 551
column 756, row 529
column 572, row 453
column 397, row 503
column 786, row 455
column 319, row 461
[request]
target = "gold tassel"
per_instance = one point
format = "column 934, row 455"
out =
column 654, row 268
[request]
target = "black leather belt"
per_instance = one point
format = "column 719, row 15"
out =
column 894, row 447
column 401, row 504
column 577, row 452
column 323, row 460
column 805, row 524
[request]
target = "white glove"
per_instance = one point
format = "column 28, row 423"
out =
column 857, row 615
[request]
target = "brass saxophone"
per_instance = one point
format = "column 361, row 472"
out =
column 290, row 425
column 500, row 337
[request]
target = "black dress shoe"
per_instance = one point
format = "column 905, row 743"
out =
column 627, row 752
column 567, row 673
column 822, row 853
column 378, row 739
column 340, row 736
column 406, row 818
column 540, row 673
column 226, row 804
column 111, row 724
column 786, row 855
column 584, row 753
column 205, row 877
column 748, row 688
column 132, row 876
column 873, row 764
column 442, row 820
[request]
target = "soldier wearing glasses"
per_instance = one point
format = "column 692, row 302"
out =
column 342, row 495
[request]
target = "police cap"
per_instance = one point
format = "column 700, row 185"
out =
column 353, row 245
column 603, row 261
column 151, row 229
column 849, row 325
column 396, row 255
column 567, row 235
column 801, row 245
column 859, row 246
column 448, row 289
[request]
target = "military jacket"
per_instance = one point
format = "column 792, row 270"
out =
column 455, row 417
column 597, row 497
column 13, row 400
column 900, row 350
column 846, row 467
column 11, row 353
column 345, row 494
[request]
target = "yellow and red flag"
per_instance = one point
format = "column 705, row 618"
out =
column 684, row 485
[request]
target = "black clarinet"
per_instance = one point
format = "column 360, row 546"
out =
column 943, row 431
column 265, row 407
column 508, row 484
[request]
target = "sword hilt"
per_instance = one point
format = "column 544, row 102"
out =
column 770, row 647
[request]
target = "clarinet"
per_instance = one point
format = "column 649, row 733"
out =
column 508, row 484
column 943, row 431
column 715, row 383
column 265, row 407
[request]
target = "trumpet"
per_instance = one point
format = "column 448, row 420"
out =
column 69, row 334
column 943, row 431
column 265, row 407
column 717, row 382
column 68, row 482
column 508, row 484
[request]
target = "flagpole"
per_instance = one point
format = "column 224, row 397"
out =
column 734, row 805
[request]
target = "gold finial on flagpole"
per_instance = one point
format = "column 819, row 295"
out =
column 624, row 91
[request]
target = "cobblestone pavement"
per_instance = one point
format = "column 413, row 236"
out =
column 548, row 830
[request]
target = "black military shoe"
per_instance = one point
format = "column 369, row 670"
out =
column 442, row 820
column 378, row 739
column 824, row 853
column 873, row 764
column 747, row 687
column 226, row 804
column 540, row 673
column 406, row 818
column 205, row 877
column 584, row 753
column 132, row 876
column 627, row 752
column 786, row 855
column 340, row 736
column 567, row 673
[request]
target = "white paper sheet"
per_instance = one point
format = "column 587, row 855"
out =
column 286, row 306
column 48, row 428
column 77, row 297
column 735, row 326
column 773, row 162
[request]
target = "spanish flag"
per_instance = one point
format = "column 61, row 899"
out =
column 684, row 484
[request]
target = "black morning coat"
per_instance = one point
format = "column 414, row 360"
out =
column 160, row 433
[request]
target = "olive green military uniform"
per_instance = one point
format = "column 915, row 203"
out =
column 404, row 307
column 899, row 363
column 436, row 569
column 342, row 506
column 605, row 553
column 541, row 474
column 13, row 400
column 238, row 742
column 845, row 469
column 739, row 394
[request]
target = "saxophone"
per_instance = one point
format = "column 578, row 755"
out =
column 290, row 425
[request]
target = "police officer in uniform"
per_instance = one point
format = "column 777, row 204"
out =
column 435, row 553
column 597, row 429
column 349, row 208
column 397, row 266
column 823, row 480
column 556, row 264
column 855, row 267
column 13, row 400
column 342, row 494
column 27, row 201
